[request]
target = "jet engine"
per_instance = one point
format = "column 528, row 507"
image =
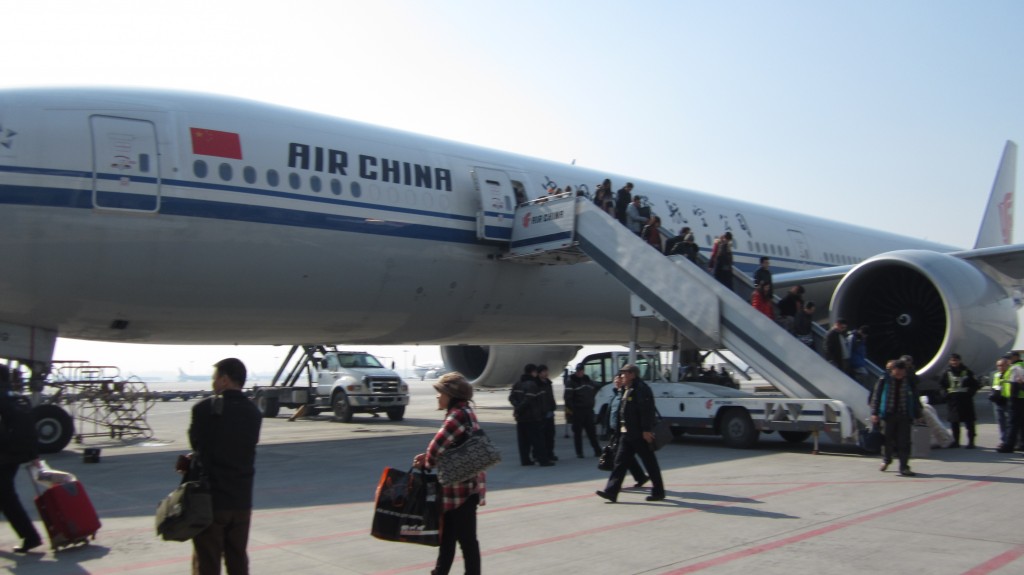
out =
column 927, row 305
column 501, row 365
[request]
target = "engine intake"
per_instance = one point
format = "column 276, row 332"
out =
column 925, row 304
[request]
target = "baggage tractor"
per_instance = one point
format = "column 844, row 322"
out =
column 68, row 514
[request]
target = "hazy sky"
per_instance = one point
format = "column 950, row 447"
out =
column 886, row 114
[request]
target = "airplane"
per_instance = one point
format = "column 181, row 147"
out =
column 182, row 376
column 155, row 216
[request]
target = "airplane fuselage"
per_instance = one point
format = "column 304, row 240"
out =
column 181, row 218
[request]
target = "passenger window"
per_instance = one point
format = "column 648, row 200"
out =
column 225, row 172
column 294, row 181
column 200, row 169
column 272, row 178
column 144, row 163
column 314, row 183
column 249, row 175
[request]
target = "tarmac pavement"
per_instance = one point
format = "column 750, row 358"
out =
column 772, row 509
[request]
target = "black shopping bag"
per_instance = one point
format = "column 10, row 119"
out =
column 408, row 507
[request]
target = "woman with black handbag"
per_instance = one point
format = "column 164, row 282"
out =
column 459, row 500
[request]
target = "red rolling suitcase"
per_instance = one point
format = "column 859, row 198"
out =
column 68, row 514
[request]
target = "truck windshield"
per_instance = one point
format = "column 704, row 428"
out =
column 358, row 360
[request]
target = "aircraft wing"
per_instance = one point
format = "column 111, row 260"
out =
column 1006, row 261
column 1005, row 264
column 820, row 277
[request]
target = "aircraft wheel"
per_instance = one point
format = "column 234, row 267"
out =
column 342, row 410
column 738, row 429
column 54, row 427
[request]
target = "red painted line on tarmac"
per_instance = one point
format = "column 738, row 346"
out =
column 603, row 528
column 997, row 562
column 758, row 549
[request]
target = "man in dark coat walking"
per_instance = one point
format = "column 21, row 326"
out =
column 637, row 419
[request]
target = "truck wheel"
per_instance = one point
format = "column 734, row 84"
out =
column 54, row 427
column 738, row 429
column 268, row 405
column 795, row 436
column 342, row 410
column 396, row 413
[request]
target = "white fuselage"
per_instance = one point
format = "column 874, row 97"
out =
column 180, row 218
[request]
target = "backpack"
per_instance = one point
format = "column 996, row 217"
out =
column 18, row 431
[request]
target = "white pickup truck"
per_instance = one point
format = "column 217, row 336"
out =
column 345, row 382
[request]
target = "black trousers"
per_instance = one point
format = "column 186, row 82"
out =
column 896, row 431
column 549, row 437
column 10, row 504
column 629, row 450
column 1016, row 437
column 531, row 442
column 227, row 538
column 583, row 421
column 459, row 527
column 971, row 433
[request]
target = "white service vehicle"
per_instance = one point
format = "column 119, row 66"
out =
column 738, row 416
column 345, row 382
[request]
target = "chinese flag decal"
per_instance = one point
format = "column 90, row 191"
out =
column 215, row 143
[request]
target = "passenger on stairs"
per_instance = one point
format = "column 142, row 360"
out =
column 803, row 324
column 721, row 260
column 635, row 220
column 761, row 299
column 652, row 233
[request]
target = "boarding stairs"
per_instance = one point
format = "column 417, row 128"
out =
column 683, row 294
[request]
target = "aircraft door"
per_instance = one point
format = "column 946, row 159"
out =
column 800, row 246
column 497, row 204
column 125, row 159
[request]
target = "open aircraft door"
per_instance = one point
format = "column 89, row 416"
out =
column 125, row 159
column 497, row 204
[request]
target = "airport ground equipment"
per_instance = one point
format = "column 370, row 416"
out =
column 315, row 378
column 99, row 401
column 562, row 229
column 740, row 417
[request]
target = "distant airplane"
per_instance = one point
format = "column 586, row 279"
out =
column 167, row 217
column 422, row 371
column 182, row 376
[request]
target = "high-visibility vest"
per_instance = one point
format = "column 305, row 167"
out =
column 1001, row 382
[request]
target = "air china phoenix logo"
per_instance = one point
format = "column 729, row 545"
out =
column 7, row 137
column 1006, row 218
column 526, row 220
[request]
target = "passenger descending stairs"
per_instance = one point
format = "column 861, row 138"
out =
column 702, row 309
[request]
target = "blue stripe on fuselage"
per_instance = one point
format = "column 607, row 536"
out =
column 206, row 208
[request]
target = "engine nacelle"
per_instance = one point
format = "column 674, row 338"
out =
column 501, row 365
column 927, row 305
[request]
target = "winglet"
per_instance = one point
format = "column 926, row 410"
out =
column 997, row 225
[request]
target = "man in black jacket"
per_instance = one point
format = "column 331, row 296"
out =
column 224, row 432
column 15, row 448
column 579, row 400
column 894, row 404
column 637, row 418
column 528, row 410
